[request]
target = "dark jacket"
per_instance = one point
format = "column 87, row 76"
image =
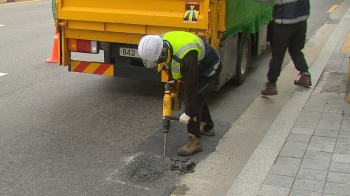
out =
column 291, row 11
column 211, row 57
column 191, row 74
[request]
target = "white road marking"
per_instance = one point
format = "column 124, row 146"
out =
column 2, row 74
column 1, row 25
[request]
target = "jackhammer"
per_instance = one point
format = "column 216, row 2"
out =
column 171, row 102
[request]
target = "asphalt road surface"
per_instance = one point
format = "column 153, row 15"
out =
column 65, row 133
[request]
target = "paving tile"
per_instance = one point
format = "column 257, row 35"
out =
column 338, row 55
column 297, row 145
column 344, row 135
column 296, row 192
column 345, row 124
column 345, row 63
column 314, row 108
column 285, row 166
column 317, row 99
column 338, row 48
column 341, row 158
column 292, row 152
column 337, row 188
column 318, row 155
column 326, row 133
column 323, row 140
column 331, row 115
column 328, row 194
column 277, row 180
column 343, row 141
column 318, row 89
column 340, row 167
column 330, row 124
column 321, row 147
column 343, row 68
column 300, row 130
column 308, row 185
column 336, row 60
column 337, row 177
column 334, row 108
column 309, row 116
column 333, row 67
column 314, row 164
column 299, row 137
column 307, row 125
column 335, row 99
column 339, row 149
column 312, row 174
column 293, row 149
column 267, row 190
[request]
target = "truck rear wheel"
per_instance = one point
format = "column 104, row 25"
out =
column 243, row 60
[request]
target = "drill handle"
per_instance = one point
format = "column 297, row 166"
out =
column 194, row 119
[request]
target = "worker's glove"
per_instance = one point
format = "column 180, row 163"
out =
column 171, row 82
column 184, row 119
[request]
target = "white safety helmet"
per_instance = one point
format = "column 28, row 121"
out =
column 149, row 49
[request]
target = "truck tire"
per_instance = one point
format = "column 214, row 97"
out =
column 243, row 59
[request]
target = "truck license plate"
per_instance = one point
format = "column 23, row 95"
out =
column 128, row 52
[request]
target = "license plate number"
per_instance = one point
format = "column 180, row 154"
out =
column 128, row 52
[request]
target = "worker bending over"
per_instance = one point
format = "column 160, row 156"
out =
column 194, row 62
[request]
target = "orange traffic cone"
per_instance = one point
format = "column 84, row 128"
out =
column 54, row 56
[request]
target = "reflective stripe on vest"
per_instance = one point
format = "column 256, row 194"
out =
column 279, row 2
column 182, row 51
column 291, row 21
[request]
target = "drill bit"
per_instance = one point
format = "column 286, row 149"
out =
column 165, row 143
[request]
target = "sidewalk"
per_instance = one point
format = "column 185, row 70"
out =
column 307, row 149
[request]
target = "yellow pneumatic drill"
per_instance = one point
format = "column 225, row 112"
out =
column 171, row 102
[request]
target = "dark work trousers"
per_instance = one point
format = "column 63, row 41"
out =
column 291, row 37
column 205, row 85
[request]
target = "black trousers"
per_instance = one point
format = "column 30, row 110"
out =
column 205, row 85
column 291, row 37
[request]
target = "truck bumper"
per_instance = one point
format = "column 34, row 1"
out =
column 131, row 72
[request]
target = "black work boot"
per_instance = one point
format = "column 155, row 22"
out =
column 270, row 89
column 304, row 80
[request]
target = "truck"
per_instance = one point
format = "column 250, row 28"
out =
column 236, row 28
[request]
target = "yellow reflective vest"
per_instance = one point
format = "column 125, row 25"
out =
column 181, row 43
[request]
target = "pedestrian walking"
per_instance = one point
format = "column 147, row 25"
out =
column 196, row 63
column 290, row 27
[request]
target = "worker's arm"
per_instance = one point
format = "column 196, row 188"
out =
column 189, row 71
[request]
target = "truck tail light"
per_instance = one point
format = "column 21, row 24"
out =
column 85, row 46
